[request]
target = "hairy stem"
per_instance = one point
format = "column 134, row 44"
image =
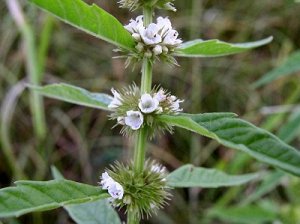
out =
column 141, row 137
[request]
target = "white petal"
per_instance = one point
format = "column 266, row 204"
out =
column 116, row 191
column 164, row 25
column 134, row 119
column 160, row 96
column 117, row 100
column 148, row 104
column 171, row 38
column 150, row 35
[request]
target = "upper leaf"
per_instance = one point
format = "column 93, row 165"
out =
column 190, row 176
column 30, row 196
column 291, row 66
column 91, row 19
column 239, row 134
column 76, row 95
column 215, row 48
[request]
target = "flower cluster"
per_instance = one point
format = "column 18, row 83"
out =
column 134, row 4
column 114, row 188
column 157, row 40
column 133, row 110
column 145, row 192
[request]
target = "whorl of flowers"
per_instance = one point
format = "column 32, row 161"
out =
column 135, row 4
column 134, row 110
column 157, row 40
column 144, row 193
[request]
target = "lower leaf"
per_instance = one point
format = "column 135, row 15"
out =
column 31, row 196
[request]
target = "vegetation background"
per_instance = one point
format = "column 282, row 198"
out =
column 80, row 142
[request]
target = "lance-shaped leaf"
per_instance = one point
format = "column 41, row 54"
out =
column 241, row 135
column 190, row 176
column 95, row 212
column 290, row 66
column 31, row 196
column 215, row 48
column 76, row 95
column 91, row 19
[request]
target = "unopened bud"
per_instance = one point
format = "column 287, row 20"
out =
column 165, row 49
column 139, row 47
column 127, row 199
column 157, row 50
column 136, row 36
column 148, row 54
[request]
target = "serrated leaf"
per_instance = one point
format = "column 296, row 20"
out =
column 190, row 176
column 241, row 135
column 89, row 18
column 31, row 196
column 76, row 95
column 244, row 215
column 96, row 212
column 215, row 48
column 290, row 66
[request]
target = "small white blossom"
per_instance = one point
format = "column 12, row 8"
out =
column 117, row 101
column 135, row 26
column 158, row 168
column 175, row 103
column 116, row 191
column 106, row 181
column 171, row 38
column 134, row 119
column 150, row 35
column 157, row 50
column 164, row 25
column 148, row 104
column 160, row 96
column 121, row 120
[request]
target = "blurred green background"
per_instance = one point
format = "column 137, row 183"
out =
column 80, row 142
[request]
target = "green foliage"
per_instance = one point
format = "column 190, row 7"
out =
column 238, row 134
column 290, row 66
column 244, row 215
column 76, row 95
column 190, row 176
column 215, row 48
column 95, row 212
column 89, row 18
column 31, row 196
column 291, row 129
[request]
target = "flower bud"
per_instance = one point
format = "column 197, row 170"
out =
column 157, row 50
column 136, row 36
column 139, row 47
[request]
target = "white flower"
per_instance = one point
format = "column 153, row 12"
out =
column 106, row 181
column 116, row 102
column 135, row 26
column 171, row 38
column 148, row 104
column 116, row 191
column 134, row 119
column 121, row 120
column 157, row 168
column 174, row 103
column 157, row 50
column 160, row 96
column 164, row 25
column 150, row 35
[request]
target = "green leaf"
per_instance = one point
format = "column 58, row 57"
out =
column 270, row 182
column 31, row 196
column 190, row 176
column 291, row 129
column 290, row 66
column 91, row 19
column 215, row 48
column 244, row 215
column 76, row 95
column 239, row 134
column 96, row 212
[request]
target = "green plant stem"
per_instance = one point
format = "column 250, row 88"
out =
column 32, row 67
column 142, row 135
